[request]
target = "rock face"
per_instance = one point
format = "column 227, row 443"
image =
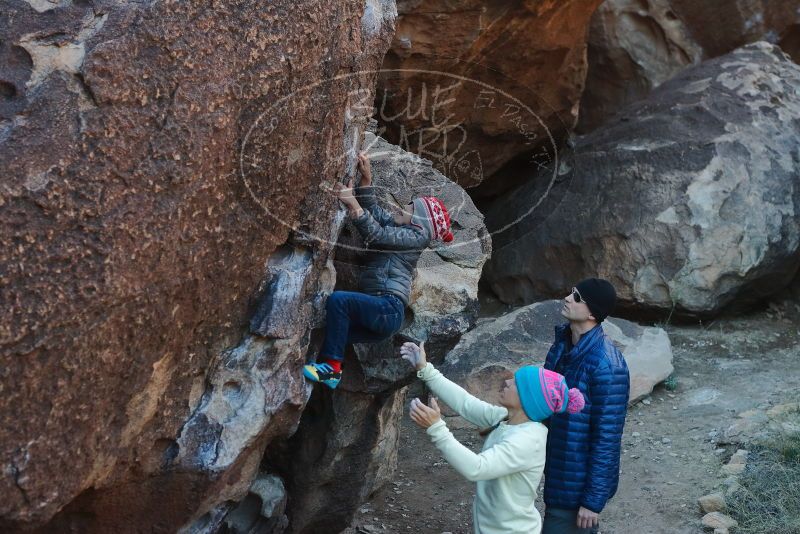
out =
column 473, row 85
column 345, row 449
column 498, row 347
column 261, row 511
column 686, row 201
column 635, row 45
column 156, row 198
column 348, row 439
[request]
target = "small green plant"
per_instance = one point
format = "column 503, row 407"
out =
column 788, row 447
column 665, row 322
column 768, row 501
column 671, row 383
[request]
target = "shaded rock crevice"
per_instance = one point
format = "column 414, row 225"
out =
column 344, row 449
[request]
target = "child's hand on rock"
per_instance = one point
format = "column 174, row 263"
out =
column 414, row 354
column 365, row 169
column 345, row 193
column 423, row 415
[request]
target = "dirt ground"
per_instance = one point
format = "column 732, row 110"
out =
column 671, row 455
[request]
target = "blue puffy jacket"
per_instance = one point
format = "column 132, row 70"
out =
column 583, row 449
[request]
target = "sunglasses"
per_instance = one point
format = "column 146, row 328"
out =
column 576, row 295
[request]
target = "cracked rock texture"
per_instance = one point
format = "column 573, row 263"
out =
column 533, row 51
column 165, row 245
column 344, row 450
column 635, row 45
column 686, row 200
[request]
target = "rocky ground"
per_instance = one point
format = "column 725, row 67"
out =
column 674, row 446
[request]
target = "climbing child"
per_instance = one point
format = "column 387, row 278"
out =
column 393, row 244
column 510, row 465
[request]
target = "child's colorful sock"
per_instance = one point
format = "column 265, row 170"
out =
column 328, row 372
column 336, row 365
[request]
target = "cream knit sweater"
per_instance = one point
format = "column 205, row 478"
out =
column 507, row 470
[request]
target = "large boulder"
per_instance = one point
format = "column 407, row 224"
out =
column 163, row 167
column 473, row 85
column 498, row 347
column 636, row 45
column 687, row 201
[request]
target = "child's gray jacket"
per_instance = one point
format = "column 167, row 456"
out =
column 392, row 251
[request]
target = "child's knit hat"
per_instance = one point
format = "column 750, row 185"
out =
column 431, row 214
column 543, row 393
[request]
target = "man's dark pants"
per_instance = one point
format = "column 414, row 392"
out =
column 560, row 521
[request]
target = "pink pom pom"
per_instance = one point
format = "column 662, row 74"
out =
column 576, row 401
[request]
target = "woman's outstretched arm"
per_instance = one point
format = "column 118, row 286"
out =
column 471, row 408
column 517, row 451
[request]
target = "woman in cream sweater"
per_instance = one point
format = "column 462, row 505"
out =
column 510, row 465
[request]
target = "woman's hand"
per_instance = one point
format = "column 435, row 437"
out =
column 414, row 354
column 423, row 415
column 365, row 169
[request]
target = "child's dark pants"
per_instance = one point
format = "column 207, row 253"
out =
column 359, row 318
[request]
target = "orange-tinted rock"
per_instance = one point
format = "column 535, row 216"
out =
column 131, row 246
column 514, row 75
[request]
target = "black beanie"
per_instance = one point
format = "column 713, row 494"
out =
column 599, row 295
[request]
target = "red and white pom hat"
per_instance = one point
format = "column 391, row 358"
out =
column 431, row 213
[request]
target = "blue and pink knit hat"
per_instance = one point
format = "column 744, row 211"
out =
column 543, row 393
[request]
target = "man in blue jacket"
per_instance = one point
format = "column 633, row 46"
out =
column 583, row 449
